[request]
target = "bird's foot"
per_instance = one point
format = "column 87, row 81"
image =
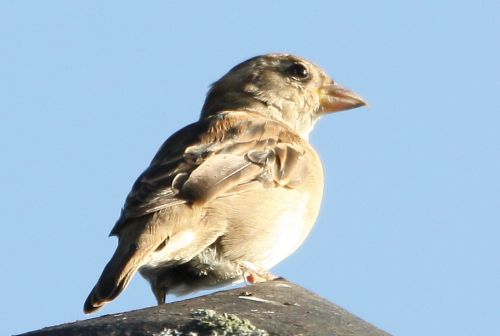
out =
column 253, row 274
column 260, row 277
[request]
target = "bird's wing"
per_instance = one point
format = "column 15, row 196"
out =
column 217, row 157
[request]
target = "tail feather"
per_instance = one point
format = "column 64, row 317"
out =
column 136, row 242
column 115, row 277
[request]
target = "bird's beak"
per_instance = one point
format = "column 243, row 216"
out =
column 334, row 98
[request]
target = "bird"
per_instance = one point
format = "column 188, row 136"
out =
column 231, row 195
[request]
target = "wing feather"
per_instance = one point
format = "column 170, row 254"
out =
column 219, row 156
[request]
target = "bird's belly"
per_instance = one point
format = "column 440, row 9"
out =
column 289, row 229
column 270, row 226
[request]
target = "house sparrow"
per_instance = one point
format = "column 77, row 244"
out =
column 232, row 194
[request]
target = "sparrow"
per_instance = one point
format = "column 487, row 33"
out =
column 228, row 197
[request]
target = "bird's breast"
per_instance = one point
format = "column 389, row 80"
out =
column 266, row 226
column 288, row 231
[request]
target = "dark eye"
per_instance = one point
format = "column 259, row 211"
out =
column 297, row 71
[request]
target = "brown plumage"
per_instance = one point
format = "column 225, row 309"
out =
column 232, row 194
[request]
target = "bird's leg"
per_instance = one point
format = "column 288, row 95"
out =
column 160, row 294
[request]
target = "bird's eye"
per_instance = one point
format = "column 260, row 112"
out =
column 297, row 71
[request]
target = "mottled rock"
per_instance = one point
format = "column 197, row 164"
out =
column 270, row 308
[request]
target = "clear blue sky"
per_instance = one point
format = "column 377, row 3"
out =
column 408, row 236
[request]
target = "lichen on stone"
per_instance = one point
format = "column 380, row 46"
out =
column 217, row 324
column 170, row 332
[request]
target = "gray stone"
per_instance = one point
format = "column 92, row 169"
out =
column 270, row 308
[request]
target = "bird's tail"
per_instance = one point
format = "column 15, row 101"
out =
column 115, row 277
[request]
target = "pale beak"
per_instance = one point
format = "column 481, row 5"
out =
column 334, row 98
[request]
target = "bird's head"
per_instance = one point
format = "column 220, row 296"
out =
column 280, row 86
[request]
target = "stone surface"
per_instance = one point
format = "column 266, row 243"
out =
column 270, row 308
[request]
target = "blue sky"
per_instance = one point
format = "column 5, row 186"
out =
column 408, row 234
